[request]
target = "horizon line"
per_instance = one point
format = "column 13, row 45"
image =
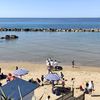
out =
column 49, row 17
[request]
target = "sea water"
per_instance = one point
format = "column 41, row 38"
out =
column 83, row 47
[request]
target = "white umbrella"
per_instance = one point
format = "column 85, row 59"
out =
column 20, row 72
column 52, row 77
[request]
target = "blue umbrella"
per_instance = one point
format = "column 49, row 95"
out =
column 52, row 77
column 20, row 72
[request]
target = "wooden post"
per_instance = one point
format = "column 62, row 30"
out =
column 73, row 92
column 84, row 96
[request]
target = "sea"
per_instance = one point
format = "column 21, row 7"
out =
column 36, row 47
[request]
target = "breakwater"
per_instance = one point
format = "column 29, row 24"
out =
column 49, row 30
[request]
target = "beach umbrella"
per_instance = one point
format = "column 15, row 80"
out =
column 52, row 77
column 20, row 72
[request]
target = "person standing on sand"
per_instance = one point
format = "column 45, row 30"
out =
column 73, row 63
column 48, row 63
column 42, row 79
column 0, row 70
column 48, row 98
column 62, row 75
column 90, row 86
column 16, row 67
column 63, row 82
column 55, row 63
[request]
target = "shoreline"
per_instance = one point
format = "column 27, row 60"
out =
column 65, row 66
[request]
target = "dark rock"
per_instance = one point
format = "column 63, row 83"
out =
column 8, row 37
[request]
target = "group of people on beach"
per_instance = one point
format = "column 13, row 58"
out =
column 51, row 64
column 88, row 88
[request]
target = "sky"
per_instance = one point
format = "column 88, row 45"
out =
column 49, row 8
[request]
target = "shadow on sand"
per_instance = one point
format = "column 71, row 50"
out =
column 95, row 95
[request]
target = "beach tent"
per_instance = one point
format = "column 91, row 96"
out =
column 52, row 77
column 11, row 89
column 20, row 72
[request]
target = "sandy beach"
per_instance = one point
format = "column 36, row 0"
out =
column 82, row 74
